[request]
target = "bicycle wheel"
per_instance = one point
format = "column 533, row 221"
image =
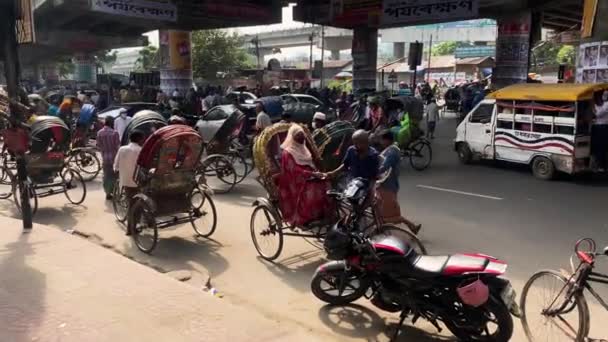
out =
column 7, row 183
column 266, row 233
column 87, row 163
column 403, row 235
column 74, row 187
column 548, row 290
column 31, row 196
column 421, row 154
column 120, row 203
column 142, row 225
column 219, row 175
column 203, row 217
column 241, row 168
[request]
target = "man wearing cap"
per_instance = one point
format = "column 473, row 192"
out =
column 319, row 120
column 121, row 122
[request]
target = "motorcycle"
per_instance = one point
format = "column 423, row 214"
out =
column 464, row 291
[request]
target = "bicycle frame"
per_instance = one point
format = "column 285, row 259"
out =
column 595, row 277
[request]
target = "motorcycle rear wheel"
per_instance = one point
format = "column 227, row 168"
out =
column 339, row 286
column 501, row 317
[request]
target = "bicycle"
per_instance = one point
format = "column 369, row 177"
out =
column 569, row 305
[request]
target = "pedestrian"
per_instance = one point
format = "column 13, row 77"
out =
column 388, row 204
column 126, row 162
column 319, row 120
column 108, row 143
column 599, row 133
column 120, row 124
column 262, row 119
column 360, row 160
column 432, row 116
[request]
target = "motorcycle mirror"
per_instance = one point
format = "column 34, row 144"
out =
column 606, row 251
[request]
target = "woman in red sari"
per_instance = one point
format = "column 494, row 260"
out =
column 301, row 200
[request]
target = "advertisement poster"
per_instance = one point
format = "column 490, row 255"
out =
column 396, row 12
column 592, row 63
column 512, row 50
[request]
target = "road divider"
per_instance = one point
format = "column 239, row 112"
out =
column 459, row 192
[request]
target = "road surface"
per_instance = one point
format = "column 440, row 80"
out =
column 497, row 210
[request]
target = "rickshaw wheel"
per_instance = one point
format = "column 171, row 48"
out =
column 7, row 183
column 202, row 208
column 266, row 228
column 120, row 203
column 421, row 154
column 33, row 198
column 218, row 166
column 72, row 180
column 241, row 168
column 86, row 162
column 143, row 226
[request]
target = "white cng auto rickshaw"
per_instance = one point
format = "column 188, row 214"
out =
column 547, row 126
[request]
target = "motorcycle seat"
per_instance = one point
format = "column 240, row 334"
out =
column 449, row 265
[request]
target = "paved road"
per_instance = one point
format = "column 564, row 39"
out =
column 502, row 211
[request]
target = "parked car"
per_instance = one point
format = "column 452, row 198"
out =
column 302, row 107
column 246, row 98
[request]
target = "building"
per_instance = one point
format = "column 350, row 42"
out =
column 126, row 62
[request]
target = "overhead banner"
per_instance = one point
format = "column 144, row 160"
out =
column 145, row 9
column 415, row 11
column 512, row 50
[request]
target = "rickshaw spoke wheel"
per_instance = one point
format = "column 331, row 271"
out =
column 32, row 197
column 74, row 188
column 87, row 163
column 239, row 164
column 266, row 233
column 219, row 174
column 420, row 154
column 144, row 230
column 7, row 183
column 120, row 203
column 203, row 215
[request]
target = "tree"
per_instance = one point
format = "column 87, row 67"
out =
column 65, row 67
column 216, row 51
column 105, row 58
column 566, row 55
column 444, row 48
column 548, row 53
column 148, row 59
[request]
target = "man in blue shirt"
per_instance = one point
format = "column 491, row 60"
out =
column 361, row 160
column 388, row 203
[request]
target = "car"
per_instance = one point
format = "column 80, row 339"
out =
column 131, row 107
column 302, row 107
column 245, row 97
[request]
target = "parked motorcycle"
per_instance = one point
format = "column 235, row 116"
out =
column 464, row 291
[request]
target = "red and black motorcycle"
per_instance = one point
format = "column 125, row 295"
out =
column 464, row 291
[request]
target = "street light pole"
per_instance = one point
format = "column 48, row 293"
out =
column 11, row 69
column 322, row 53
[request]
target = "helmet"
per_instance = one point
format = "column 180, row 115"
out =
column 474, row 294
column 337, row 243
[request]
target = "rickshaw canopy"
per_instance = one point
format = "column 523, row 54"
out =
column 566, row 92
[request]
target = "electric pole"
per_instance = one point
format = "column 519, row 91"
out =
column 322, row 53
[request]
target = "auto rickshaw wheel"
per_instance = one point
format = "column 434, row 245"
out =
column 142, row 225
column 543, row 168
column 72, row 181
column 203, row 213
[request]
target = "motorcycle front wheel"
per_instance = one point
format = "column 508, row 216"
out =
column 498, row 325
column 339, row 286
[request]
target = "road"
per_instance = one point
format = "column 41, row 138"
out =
column 495, row 209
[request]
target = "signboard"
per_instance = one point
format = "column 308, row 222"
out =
column 351, row 13
column 475, row 51
column 448, row 77
column 592, row 63
column 512, row 50
column 137, row 8
column 392, row 77
column 401, row 12
column 25, row 22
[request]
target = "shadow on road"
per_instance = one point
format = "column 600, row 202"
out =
column 297, row 270
column 356, row 321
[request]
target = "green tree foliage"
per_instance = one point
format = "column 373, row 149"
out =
column 105, row 58
column 65, row 67
column 216, row 51
column 552, row 54
column 566, row 55
column 444, row 48
column 148, row 59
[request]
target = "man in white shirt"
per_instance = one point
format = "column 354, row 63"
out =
column 126, row 162
column 599, row 134
column 262, row 120
column 432, row 116
column 121, row 122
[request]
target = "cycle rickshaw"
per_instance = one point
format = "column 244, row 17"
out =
column 81, row 156
column 48, row 172
column 168, row 193
column 267, row 225
column 224, row 166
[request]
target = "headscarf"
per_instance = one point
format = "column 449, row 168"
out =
column 66, row 106
column 299, row 152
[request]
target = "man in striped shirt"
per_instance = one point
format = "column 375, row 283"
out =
column 108, row 144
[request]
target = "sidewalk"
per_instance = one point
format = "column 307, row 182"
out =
column 59, row 287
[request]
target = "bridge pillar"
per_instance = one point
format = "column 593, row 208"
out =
column 365, row 57
column 398, row 50
column 514, row 35
column 592, row 57
column 335, row 55
column 175, row 61
column 86, row 69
